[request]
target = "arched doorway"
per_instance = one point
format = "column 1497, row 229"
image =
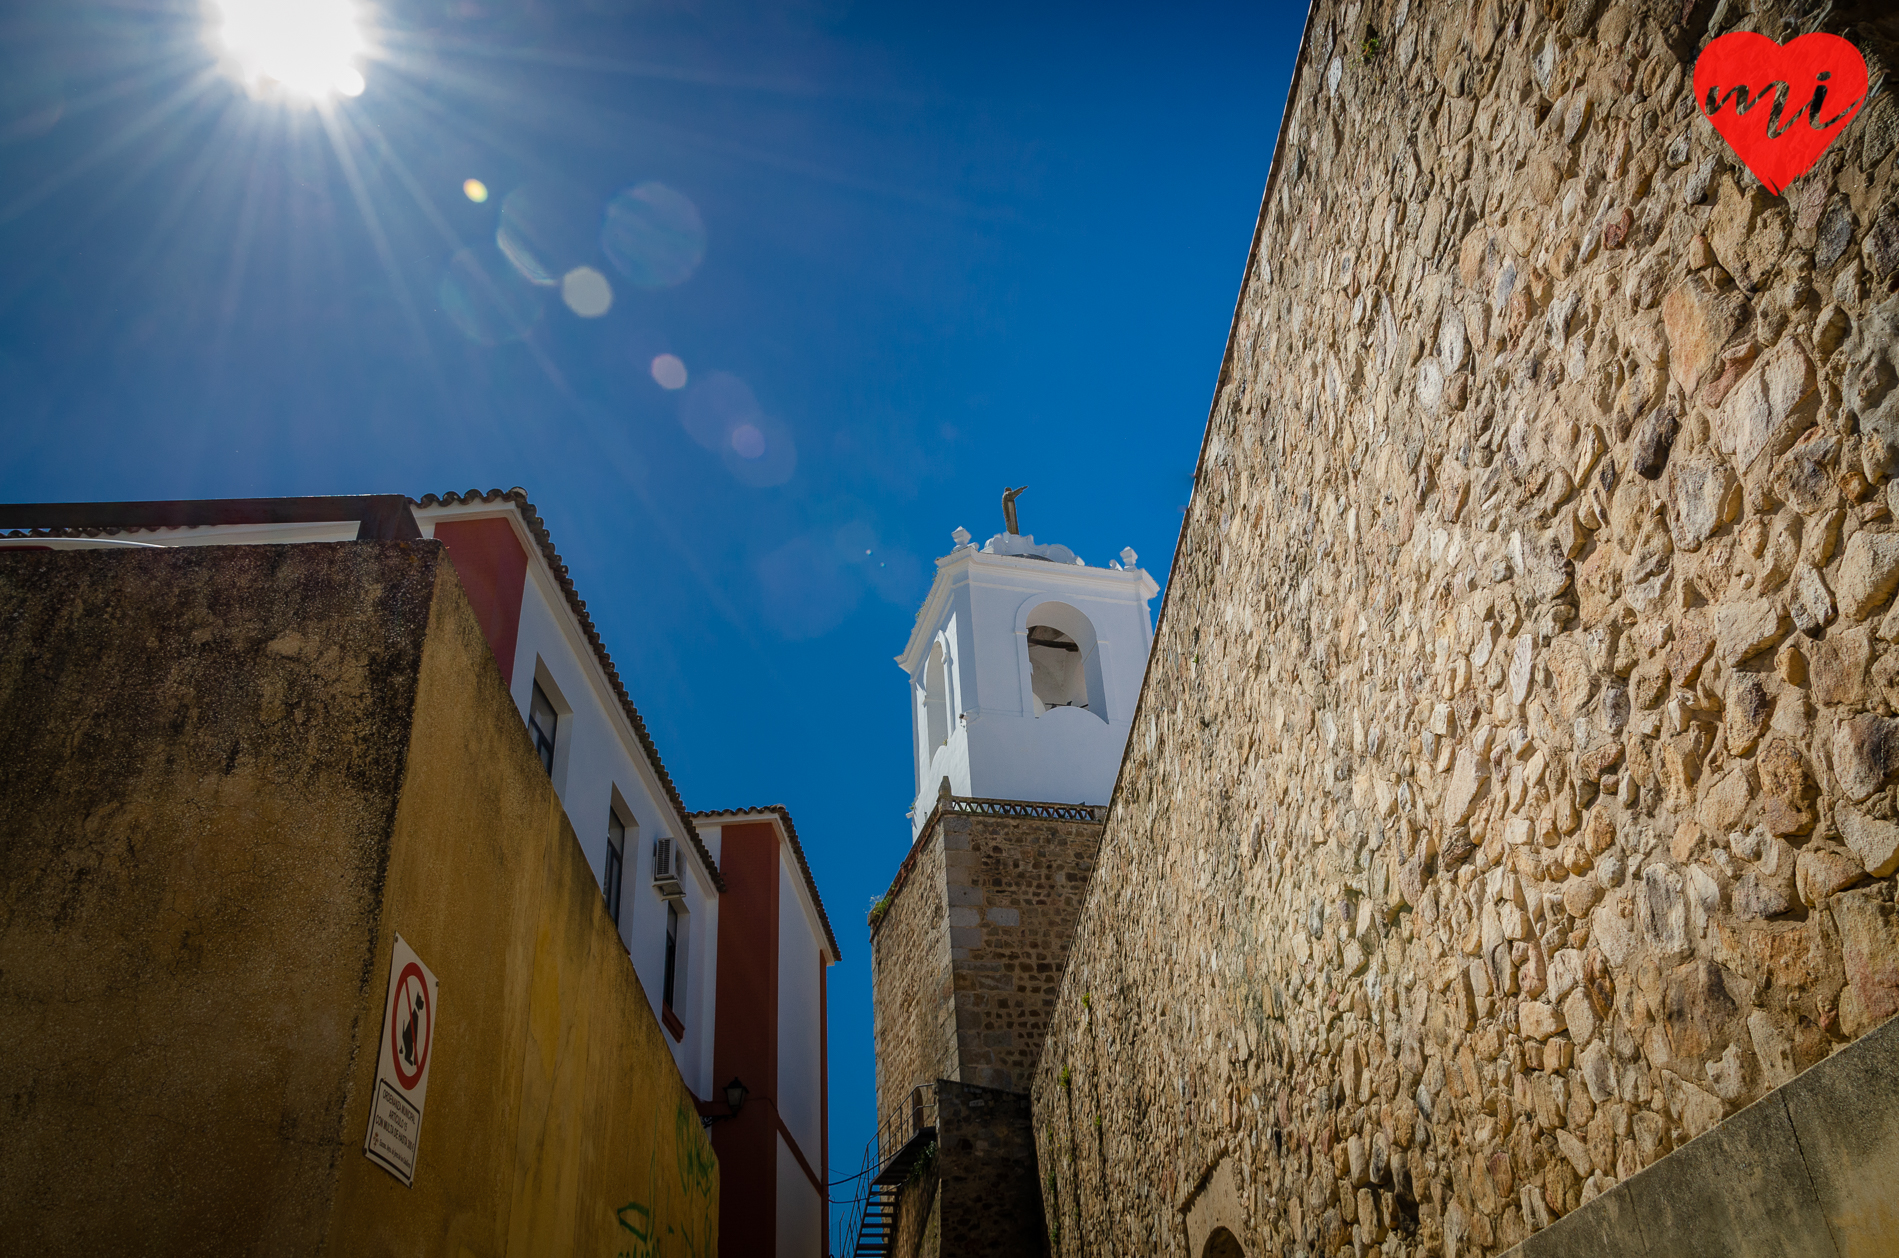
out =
column 1214, row 1216
column 1222, row 1244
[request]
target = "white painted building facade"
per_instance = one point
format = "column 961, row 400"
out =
column 1024, row 666
column 603, row 774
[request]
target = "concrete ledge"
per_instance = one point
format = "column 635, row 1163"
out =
column 1812, row 1168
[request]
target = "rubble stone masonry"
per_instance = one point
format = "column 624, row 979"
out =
column 1511, row 795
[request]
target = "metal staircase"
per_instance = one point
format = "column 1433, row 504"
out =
column 903, row 1141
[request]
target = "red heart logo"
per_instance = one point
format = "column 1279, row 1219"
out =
column 1746, row 84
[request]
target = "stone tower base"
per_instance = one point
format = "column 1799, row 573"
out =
column 967, row 952
column 980, row 1194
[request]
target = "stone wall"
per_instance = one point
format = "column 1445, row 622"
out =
column 967, row 952
column 977, row 1194
column 1812, row 1168
column 1510, row 797
column 1015, row 886
column 913, row 1010
column 990, row 1206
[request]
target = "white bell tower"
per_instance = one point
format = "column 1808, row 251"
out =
column 1024, row 666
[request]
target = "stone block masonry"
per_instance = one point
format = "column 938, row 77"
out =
column 968, row 946
column 967, row 952
column 912, row 985
column 1520, row 728
column 977, row 1196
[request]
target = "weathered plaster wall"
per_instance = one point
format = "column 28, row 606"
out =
column 235, row 774
column 1510, row 798
column 566, row 1127
column 204, row 751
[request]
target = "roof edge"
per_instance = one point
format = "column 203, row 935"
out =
column 380, row 517
column 537, row 529
column 783, row 815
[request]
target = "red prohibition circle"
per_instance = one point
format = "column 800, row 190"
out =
column 397, row 1008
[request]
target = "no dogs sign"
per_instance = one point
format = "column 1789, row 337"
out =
column 402, row 1064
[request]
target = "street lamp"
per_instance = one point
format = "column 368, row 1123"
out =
column 735, row 1094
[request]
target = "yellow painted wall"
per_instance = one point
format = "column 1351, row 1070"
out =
column 556, row 1120
column 234, row 774
column 203, row 752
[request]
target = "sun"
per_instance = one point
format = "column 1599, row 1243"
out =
column 309, row 48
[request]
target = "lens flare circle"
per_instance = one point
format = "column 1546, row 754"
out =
column 546, row 230
column 309, row 48
column 669, row 372
column 722, row 414
column 486, row 300
column 747, row 441
column 653, row 235
column 586, row 292
column 760, row 452
column 475, row 190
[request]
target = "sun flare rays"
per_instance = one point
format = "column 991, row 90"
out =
column 309, row 48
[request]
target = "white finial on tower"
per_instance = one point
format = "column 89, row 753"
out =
column 1128, row 556
column 960, row 536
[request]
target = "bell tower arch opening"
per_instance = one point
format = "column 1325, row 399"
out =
column 935, row 703
column 1064, row 661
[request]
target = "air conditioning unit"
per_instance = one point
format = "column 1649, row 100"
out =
column 666, row 871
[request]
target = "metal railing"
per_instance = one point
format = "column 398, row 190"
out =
column 1017, row 808
column 916, row 1116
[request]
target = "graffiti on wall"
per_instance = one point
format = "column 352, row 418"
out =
column 642, row 1232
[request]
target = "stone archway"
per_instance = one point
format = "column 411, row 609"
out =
column 1213, row 1216
column 1222, row 1244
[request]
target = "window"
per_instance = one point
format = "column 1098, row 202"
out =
column 668, row 986
column 542, row 720
column 616, row 863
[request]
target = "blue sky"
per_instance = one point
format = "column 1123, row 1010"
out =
column 943, row 249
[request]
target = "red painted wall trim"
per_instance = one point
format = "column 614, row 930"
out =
column 493, row 570
column 791, row 1142
column 745, row 1038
